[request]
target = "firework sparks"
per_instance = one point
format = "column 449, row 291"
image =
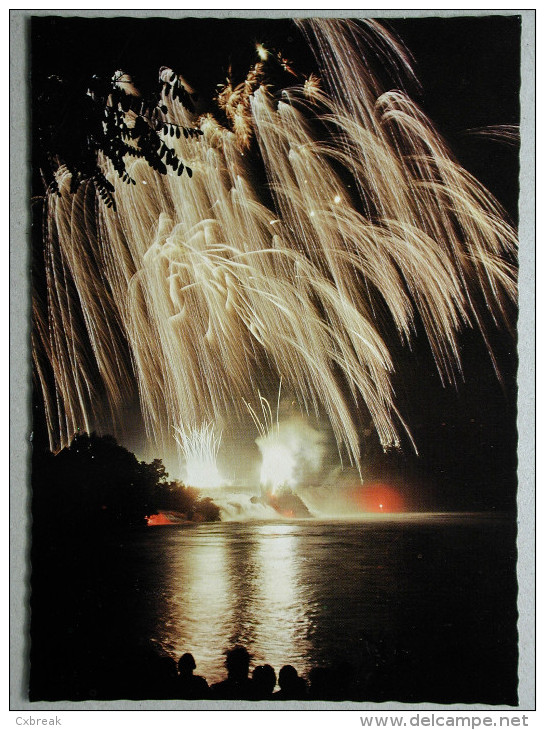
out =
column 215, row 294
column 200, row 447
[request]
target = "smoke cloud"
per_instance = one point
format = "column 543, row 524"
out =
column 292, row 454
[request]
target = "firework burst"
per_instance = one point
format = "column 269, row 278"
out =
column 202, row 292
column 200, row 447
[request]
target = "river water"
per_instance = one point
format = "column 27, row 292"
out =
column 438, row 589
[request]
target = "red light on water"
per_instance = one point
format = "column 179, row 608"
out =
column 159, row 519
column 378, row 497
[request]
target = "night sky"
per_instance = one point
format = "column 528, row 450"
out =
column 469, row 69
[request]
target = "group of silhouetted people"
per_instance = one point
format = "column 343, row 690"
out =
column 141, row 672
column 238, row 684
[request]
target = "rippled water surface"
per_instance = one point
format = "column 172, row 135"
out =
column 309, row 593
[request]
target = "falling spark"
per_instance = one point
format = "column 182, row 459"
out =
column 262, row 52
column 266, row 425
column 190, row 291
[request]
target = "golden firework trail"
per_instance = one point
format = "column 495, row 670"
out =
column 203, row 293
column 266, row 425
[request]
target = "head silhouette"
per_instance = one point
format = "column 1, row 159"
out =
column 264, row 680
column 237, row 661
column 287, row 677
column 186, row 664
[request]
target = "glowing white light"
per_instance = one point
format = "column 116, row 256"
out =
column 200, row 448
column 277, row 467
column 337, row 199
column 289, row 449
column 202, row 474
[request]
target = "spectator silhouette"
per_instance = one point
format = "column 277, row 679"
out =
column 237, row 686
column 292, row 687
column 190, row 686
column 263, row 682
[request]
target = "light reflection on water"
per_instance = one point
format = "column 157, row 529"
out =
column 200, row 607
column 309, row 592
column 225, row 588
column 282, row 619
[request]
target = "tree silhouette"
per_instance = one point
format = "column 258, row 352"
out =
column 74, row 125
column 97, row 484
